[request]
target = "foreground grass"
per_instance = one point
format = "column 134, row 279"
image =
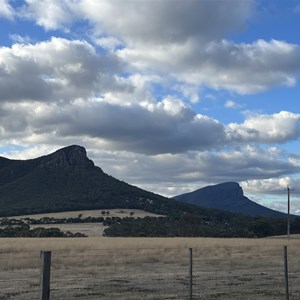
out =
column 15, row 245
column 148, row 268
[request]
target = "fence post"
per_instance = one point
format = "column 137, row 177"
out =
column 45, row 275
column 191, row 272
column 286, row 273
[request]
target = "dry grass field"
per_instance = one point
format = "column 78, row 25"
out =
column 150, row 268
column 89, row 229
column 118, row 212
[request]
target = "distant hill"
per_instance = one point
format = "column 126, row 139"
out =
column 227, row 196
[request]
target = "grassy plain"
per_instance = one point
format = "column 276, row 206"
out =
column 118, row 212
column 89, row 229
column 150, row 268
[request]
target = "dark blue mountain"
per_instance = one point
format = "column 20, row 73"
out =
column 228, row 196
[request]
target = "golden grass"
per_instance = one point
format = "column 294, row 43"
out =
column 88, row 229
column 118, row 212
column 121, row 266
column 119, row 250
column 82, row 244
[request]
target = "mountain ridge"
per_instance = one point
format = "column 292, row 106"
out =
column 227, row 196
column 67, row 180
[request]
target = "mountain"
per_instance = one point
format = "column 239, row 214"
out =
column 227, row 196
column 64, row 180
column 67, row 180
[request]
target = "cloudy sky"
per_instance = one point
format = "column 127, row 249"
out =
column 169, row 95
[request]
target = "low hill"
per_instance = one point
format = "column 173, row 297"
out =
column 228, row 196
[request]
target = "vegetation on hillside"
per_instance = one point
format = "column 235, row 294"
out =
column 192, row 225
column 184, row 225
column 23, row 230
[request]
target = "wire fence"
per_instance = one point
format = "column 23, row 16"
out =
column 154, row 273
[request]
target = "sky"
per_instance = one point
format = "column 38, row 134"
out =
column 168, row 95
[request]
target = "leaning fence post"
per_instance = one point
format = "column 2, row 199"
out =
column 45, row 275
column 286, row 273
column 191, row 272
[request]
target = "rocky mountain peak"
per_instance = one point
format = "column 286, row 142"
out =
column 227, row 196
column 228, row 188
column 67, row 157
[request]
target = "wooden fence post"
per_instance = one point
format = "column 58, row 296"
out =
column 286, row 273
column 45, row 275
column 191, row 272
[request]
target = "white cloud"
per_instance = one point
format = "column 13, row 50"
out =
column 114, row 98
column 150, row 127
column 232, row 104
column 6, row 11
column 30, row 152
column 172, row 174
column 152, row 35
column 110, row 43
column 272, row 192
column 57, row 70
column 244, row 68
column 270, row 185
column 51, row 14
column 169, row 126
column 277, row 128
column 164, row 22
column 16, row 38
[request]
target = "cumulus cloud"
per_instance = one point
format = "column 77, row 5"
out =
column 6, row 11
column 173, row 174
column 272, row 192
column 143, row 22
column 152, row 35
column 51, row 14
column 277, row 128
column 168, row 126
column 244, row 68
column 56, row 70
column 270, row 185
column 163, row 22
column 149, row 127
column 112, row 94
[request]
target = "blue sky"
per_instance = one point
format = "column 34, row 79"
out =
column 168, row 95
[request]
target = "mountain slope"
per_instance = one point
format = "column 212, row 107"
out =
column 227, row 196
column 68, row 180
column 64, row 180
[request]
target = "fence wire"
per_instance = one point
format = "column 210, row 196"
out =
column 244, row 273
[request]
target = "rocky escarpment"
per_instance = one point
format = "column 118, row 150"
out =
column 71, row 156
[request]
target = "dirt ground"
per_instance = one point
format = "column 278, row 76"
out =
column 150, row 268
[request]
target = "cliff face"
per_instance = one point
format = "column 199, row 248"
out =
column 227, row 196
column 72, row 156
